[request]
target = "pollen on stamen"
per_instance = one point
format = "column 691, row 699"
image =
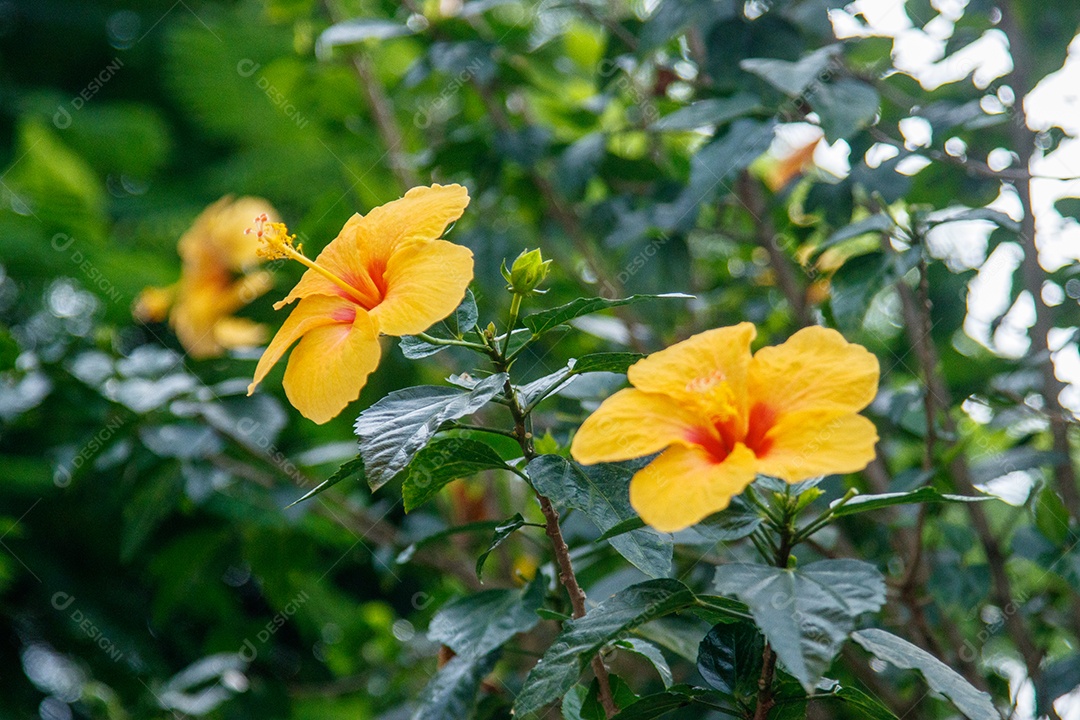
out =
column 275, row 237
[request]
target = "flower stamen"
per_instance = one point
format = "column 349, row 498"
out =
column 278, row 243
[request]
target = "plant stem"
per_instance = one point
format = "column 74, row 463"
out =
column 449, row 341
column 515, row 309
column 814, row 525
column 765, row 699
column 523, row 433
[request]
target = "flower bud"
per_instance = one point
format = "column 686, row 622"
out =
column 528, row 271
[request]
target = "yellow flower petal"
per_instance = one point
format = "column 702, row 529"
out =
column 707, row 370
column 329, row 367
column 807, row 444
column 311, row 313
column 686, row 484
column 422, row 214
column 361, row 252
column 815, row 368
column 425, row 282
column 234, row 332
column 632, row 424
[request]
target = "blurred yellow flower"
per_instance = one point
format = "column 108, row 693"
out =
column 721, row 416
column 217, row 278
column 387, row 272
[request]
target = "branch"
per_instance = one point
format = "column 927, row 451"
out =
column 749, row 193
column 1023, row 141
column 558, row 544
column 1001, row 586
column 382, row 111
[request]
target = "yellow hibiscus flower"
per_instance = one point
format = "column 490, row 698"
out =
column 216, row 279
column 387, row 272
column 721, row 416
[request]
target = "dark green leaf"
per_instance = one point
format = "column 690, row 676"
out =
column 593, row 708
column 650, row 652
column 867, row 707
column 1058, row 678
column 854, row 285
column 440, row 463
column 995, row 216
column 716, row 609
column 450, row 695
column 1068, row 207
column 885, row 646
column 502, row 531
column 395, row 428
column 562, row 664
column 733, row 523
column 730, row 658
column 806, row 613
column 602, row 493
column 541, row 322
column 347, row 470
column 628, row 525
column 845, row 107
column 474, row 625
column 616, row 362
column 792, row 78
column 481, row 526
column 713, row 111
column 865, row 503
column 874, row 224
column 675, row 697
column 578, row 163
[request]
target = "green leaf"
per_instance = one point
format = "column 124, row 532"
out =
column 451, row 694
column 1068, row 207
column 792, row 78
column 650, row 652
column 865, row 503
column 347, row 470
column 867, row 706
column 845, row 107
column 675, row 697
column 858, row 281
column 502, row 531
column 351, row 32
column 628, row 525
column 440, row 463
column 716, row 609
column 730, row 658
column 541, row 322
column 475, row 625
column 562, row 664
column 395, row 428
column 733, row 523
column 995, row 216
column 874, row 224
column 616, row 362
column 805, row 613
column 480, row 526
column 461, row 321
column 885, row 646
column 593, row 709
column 602, row 493
column 714, row 111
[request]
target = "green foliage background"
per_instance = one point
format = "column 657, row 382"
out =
column 141, row 492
